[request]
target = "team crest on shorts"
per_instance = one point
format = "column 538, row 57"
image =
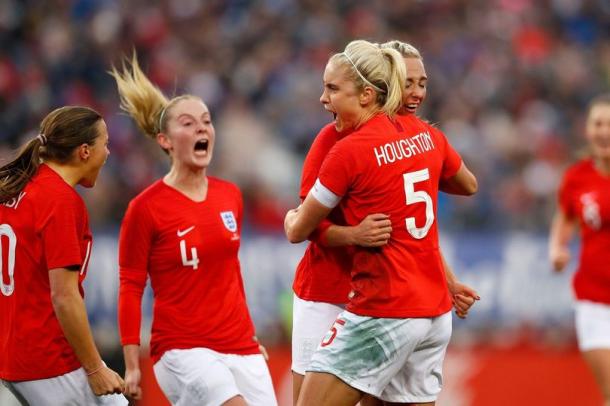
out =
column 228, row 218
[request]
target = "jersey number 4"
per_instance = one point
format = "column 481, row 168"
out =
column 186, row 261
column 7, row 231
column 420, row 196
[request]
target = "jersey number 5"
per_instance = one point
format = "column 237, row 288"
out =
column 7, row 231
column 420, row 196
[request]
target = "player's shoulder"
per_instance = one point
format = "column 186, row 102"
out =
column 47, row 183
column 223, row 185
column 579, row 168
column 149, row 194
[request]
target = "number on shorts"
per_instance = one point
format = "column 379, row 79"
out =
column 420, row 196
column 7, row 231
column 333, row 331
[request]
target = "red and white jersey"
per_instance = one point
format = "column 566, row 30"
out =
column 585, row 194
column 45, row 227
column 393, row 167
column 323, row 275
column 189, row 250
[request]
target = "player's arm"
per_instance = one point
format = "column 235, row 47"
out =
column 373, row 231
column 562, row 230
column 462, row 295
column 134, row 249
column 462, row 183
column 299, row 223
column 71, row 313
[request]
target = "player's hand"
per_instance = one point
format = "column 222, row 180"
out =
column 559, row 258
column 105, row 382
column 373, row 231
column 463, row 297
column 132, row 383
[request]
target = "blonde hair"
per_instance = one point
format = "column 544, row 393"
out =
column 405, row 49
column 601, row 99
column 142, row 100
column 382, row 69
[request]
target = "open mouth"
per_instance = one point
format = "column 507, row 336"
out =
column 202, row 145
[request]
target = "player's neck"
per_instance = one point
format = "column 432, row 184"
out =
column 193, row 184
column 602, row 165
column 68, row 173
column 366, row 116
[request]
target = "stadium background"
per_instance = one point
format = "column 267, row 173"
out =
column 509, row 82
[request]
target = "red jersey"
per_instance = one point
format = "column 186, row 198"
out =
column 323, row 275
column 585, row 194
column 189, row 250
column 393, row 167
column 45, row 227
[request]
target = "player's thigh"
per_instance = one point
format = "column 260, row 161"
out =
column 599, row 362
column 195, row 376
column 367, row 352
column 323, row 389
column 310, row 322
column 68, row 389
column 420, row 379
column 592, row 325
column 253, row 380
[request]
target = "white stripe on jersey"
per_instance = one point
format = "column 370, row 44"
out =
column 324, row 195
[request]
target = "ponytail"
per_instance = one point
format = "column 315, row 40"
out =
column 17, row 173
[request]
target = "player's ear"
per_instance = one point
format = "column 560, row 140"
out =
column 83, row 151
column 164, row 141
column 367, row 96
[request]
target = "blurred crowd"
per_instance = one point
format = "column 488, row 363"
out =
column 509, row 81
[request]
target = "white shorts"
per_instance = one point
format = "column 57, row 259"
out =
column 200, row 376
column 310, row 323
column 395, row 360
column 592, row 325
column 71, row 389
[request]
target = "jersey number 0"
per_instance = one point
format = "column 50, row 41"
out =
column 7, row 231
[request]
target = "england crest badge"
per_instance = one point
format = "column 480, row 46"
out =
column 228, row 218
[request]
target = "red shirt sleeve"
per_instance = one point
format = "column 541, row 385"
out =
column 61, row 233
column 453, row 160
column 134, row 248
column 322, row 144
column 335, row 173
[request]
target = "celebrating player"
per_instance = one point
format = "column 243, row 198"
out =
column 391, row 340
column 184, row 233
column 47, row 352
column 584, row 201
column 321, row 283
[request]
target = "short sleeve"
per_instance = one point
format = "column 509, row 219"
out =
column 324, row 141
column 335, row 174
column 64, row 224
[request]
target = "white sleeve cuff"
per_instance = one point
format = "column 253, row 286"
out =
column 323, row 195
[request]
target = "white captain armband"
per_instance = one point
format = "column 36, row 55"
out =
column 324, row 195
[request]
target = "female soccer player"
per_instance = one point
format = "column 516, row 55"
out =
column 47, row 352
column 321, row 283
column 184, row 233
column 584, row 201
column 391, row 340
